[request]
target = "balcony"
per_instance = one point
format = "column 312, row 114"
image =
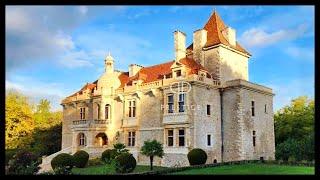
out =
column 92, row 123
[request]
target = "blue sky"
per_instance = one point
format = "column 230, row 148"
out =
column 52, row 51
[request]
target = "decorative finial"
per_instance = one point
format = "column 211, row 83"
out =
column 109, row 57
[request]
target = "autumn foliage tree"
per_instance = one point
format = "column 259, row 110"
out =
column 19, row 121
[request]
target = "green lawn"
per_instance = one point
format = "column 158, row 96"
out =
column 250, row 169
column 108, row 169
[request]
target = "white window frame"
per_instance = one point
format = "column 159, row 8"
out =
column 170, row 103
column 82, row 139
column 131, row 138
column 184, row 137
column 182, row 100
column 132, row 108
column 170, row 137
column 82, row 113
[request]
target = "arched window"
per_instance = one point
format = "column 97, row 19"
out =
column 107, row 111
column 82, row 139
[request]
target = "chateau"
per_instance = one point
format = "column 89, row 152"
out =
column 200, row 99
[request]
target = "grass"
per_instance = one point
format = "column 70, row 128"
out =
column 108, row 169
column 250, row 169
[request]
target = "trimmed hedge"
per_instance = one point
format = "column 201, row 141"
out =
column 108, row 155
column 197, row 156
column 62, row 160
column 80, row 159
column 125, row 163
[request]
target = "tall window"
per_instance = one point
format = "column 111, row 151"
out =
column 107, row 111
column 181, row 137
column 98, row 111
column 131, row 138
column 170, row 103
column 132, row 108
column 265, row 108
column 208, row 110
column 181, row 102
column 82, row 139
column 209, row 139
column 170, row 137
column 254, row 138
column 252, row 108
column 82, row 113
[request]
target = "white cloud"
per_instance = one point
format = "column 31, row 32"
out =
column 74, row 59
column 303, row 53
column 286, row 90
column 258, row 37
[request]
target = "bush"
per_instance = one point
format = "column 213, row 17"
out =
column 108, row 155
column 125, row 163
column 80, row 159
column 197, row 157
column 95, row 162
column 24, row 162
column 9, row 155
column 62, row 161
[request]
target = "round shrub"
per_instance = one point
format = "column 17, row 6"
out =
column 108, row 155
column 62, row 160
column 80, row 159
column 125, row 163
column 197, row 156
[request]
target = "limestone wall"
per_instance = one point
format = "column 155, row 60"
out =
column 207, row 124
column 239, row 124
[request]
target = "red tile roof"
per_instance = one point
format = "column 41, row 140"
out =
column 214, row 28
column 157, row 72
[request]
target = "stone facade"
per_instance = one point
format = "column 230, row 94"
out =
column 202, row 100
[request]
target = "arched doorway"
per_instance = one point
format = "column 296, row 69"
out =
column 101, row 139
column 82, row 141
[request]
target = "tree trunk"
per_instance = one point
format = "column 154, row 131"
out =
column 151, row 163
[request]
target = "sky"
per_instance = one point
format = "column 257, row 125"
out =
column 52, row 51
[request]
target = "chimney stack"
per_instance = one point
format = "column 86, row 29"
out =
column 179, row 45
column 230, row 34
column 199, row 40
column 133, row 69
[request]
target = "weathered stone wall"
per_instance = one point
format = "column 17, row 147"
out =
column 225, row 64
column 239, row 124
column 207, row 124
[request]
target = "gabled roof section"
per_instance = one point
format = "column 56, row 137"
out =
column 214, row 28
column 156, row 72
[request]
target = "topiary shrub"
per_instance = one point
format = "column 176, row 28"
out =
column 24, row 162
column 80, row 159
column 125, row 163
column 108, row 155
column 62, row 161
column 95, row 162
column 197, row 156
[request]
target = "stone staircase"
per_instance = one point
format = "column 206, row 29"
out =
column 45, row 166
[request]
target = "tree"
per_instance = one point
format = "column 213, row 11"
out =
column 294, row 130
column 151, row 149
column 19, row 121
column 120, row 148
column 43, row 117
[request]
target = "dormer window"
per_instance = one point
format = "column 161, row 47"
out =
column 178, row 73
